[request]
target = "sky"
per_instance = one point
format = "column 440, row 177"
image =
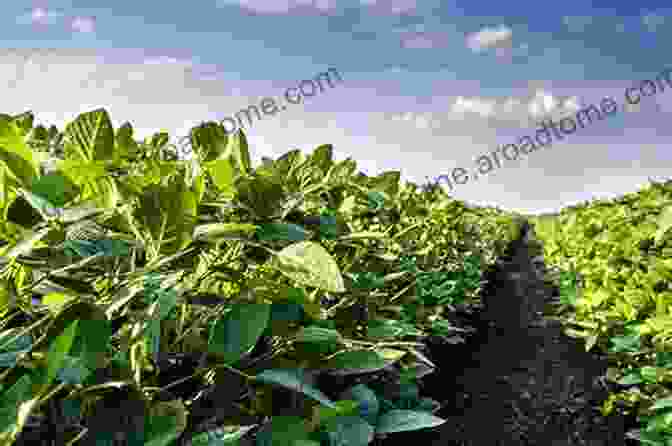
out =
column 422, row 87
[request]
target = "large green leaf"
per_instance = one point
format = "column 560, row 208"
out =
column 54, row 188
column 10, row 401
column 90, row 137
column 238, row 151
column 293, row 379
column 209, row 140
column 92, row 342
column 322, row 157
column 238, row 331
column 222, row 174
column 308, row 263
column 59, row 350
column 262, row 193
column 216, row 231
column 82, row 172
column 356, row 361
column 16, row 154
column 406, row 420
column 315, row 334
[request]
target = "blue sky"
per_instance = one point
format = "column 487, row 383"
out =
column 426, row 86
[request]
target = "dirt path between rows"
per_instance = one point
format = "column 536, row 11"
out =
column 520, row 380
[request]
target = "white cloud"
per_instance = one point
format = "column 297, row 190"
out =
column 391, row 6
column 485, row 111
column 489, row 37
column 39, row 16
column 57, row 85
column 83, row 24
column 424, row 40
column 279, row 6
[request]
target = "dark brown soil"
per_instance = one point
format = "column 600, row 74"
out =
column 520, row 380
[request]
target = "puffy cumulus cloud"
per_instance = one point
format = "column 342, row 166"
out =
column 83, row 24
column 280, row 6
column 483, row 111
column 39, row 16
column 393, row 7
column 490, row 37
column 45, row 17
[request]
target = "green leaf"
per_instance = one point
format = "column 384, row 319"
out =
column 239, row 330
column 220, row 438
column 344, row 407
column 58, row 351
column 40, row 204
column 83, row 171
column 282, row 431
column 406, row 420
column 92, row 341
column 664, row 223
column 322, row 157
column 73, row 371
column 308, row 263
column 166, row 422
column 263, row 194
column 428, row 405
column 163, row 300
column 24, row 122
column 376, row 200
column 90, row 137
column 217, row 231
column 287, row 311
column 293, row 379
column 54, row 301
column 10, row 401
column 26, row 245
column 349, row 431
column 125, row 145
column 369, row 408
column 222, row 175
column 314, row 334
column 630, row 379
column 649, row 374
column 355, row 361
column 9, row 353
column 367, row 280
column 16, row 154
column 52, row 188
column 663, row 403
column 282, row 231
